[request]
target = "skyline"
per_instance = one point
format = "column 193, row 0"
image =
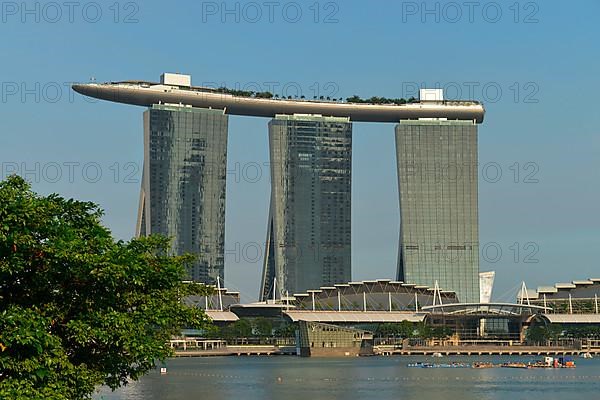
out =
column 382, row 194
column 308, row 241
column 558, row 134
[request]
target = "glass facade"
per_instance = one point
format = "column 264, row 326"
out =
column 439, row 231
column 309, row 229
column 183, row 184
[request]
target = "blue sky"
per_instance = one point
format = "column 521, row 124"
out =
column 533, row 64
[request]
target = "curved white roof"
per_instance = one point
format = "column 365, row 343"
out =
column 572, row 318
column 354, row 316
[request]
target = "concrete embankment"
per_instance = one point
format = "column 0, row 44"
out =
column 482, row 350
column 239, row 351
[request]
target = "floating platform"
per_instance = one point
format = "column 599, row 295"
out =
column 547, row 363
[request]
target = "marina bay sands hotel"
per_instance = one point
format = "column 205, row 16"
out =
column 309, row 229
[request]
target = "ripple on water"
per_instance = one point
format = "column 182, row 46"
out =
column 291, row 378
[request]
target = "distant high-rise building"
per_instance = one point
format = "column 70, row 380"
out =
column 439, row 230
column 309, row 228
column 183, row 184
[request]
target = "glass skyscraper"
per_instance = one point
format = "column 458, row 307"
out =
column 309, row 228
column 437, row 177
column 183, row 184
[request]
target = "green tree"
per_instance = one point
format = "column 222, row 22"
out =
column 263, row 327
column 441, row 332
column 77, row 308
column 424, row 331
column 386, row 329
column 403, row 329
column 286, row 330
column 406, row 329
column 537, row 334
column 241, row 328
column 213, row 332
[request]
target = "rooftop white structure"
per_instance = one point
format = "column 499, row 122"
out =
column 176, row 79
column 431, row 94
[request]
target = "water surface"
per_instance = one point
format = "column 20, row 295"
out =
column 379, row 378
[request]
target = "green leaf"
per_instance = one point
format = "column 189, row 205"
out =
column 79, row 309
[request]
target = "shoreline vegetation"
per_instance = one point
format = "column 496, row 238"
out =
column 355, row 99
column 80, row 308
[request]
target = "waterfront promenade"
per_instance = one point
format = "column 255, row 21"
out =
column 250, row 350
column 215, row 348
column 482, row 350
column 271, row 350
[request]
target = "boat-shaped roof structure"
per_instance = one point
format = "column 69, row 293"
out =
column 143, row 93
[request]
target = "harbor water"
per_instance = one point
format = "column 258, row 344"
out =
column 381, row 378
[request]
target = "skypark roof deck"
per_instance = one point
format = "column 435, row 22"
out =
column 146, row 94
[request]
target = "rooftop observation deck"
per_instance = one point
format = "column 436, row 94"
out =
column 144, row 93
